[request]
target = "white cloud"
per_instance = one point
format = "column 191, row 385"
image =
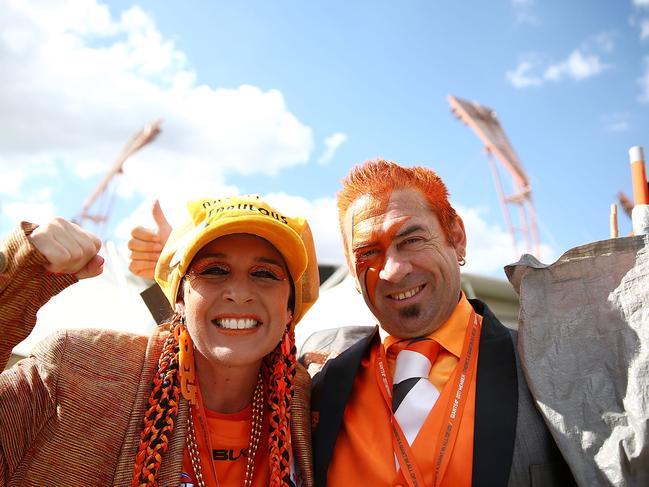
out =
column 173, row 203
column 322, row 215
column 604, row 42
column 490, row 247
column 641, row 3
column 522, row 76
column 578, row 66
column 617, row 122
column 332, row 143
column 582, row 63
column 644, row 28
column 78, row 81
column 33, row 210
column 524, row 12
column 14, row 171
column 88, row 168
column 10, row 181
column 644, row 82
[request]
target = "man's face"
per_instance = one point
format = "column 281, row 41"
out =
column 403, row 263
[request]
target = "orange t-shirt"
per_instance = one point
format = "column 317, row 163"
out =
column 229, row 436
column 364, row 454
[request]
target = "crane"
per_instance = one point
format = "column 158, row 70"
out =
column 138, row 140
column 485, row 124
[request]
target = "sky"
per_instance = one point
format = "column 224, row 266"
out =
column 282, row 98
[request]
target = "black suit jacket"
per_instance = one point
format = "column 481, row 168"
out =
column 503, row 453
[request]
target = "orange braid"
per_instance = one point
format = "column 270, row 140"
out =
column 280, row 366
column 161, row 414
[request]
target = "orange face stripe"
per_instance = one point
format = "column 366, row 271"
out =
column 370, row 241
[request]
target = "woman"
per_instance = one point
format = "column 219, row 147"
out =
column 211, row 398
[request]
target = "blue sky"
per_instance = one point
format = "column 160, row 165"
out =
column 282, row 98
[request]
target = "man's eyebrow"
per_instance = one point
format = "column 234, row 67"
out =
column 409, row 230
column 363, row 245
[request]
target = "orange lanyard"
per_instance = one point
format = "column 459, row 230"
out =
column 203, row 440
column 192, row 393
column 453, row 410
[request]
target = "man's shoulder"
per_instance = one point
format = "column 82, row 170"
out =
column 491, row 323
column 329, row 345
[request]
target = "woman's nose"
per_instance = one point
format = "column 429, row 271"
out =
column 238, row 290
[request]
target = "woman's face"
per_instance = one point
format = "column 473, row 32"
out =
column 236, row 299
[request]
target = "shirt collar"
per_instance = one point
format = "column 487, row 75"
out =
column 451, row 334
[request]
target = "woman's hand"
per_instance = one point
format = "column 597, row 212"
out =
column 68, row 248
column 146, row 244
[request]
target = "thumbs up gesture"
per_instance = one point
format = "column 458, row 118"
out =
column 68, row 248
column 146, row 244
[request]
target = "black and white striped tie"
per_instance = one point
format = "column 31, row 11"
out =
column 413, row 395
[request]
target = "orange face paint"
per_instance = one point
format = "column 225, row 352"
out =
column 370, row 239
column 213, row 268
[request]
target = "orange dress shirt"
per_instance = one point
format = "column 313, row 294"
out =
column 364, row 454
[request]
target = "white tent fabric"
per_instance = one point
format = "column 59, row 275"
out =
column 339, row 304
column 111, row 300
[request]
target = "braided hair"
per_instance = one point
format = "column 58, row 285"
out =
column 162, row 411
column 279, row 368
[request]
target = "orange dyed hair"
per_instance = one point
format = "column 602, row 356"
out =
column 378, row 178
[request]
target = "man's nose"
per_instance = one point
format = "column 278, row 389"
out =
column 395, row 268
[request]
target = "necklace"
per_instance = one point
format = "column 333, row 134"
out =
column 253, row 441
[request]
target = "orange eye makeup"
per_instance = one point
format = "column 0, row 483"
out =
column 269, row 271
column 215, row 268
column 209, row 267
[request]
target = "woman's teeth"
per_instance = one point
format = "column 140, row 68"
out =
column 236, row 323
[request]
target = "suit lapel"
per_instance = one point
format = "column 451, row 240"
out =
column 331, row 390
column 496, row 405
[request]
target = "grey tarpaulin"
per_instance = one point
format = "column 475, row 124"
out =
column 584, row 347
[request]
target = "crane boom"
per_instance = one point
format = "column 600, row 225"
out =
column 143, row 137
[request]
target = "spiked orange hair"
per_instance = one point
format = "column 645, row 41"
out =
column 379, row 178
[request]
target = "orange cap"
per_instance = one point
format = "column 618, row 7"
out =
column 211, row 218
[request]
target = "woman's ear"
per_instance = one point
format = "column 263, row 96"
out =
column 180, row 306
column 180, row 298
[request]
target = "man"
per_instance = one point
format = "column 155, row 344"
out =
column 404, row 245
column 471, row 419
